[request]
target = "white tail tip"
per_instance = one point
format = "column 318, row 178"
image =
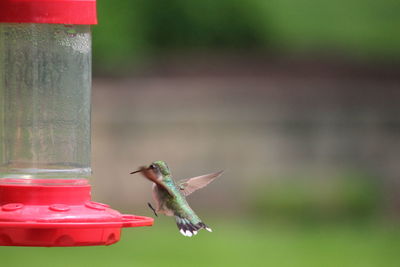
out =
column 187, row 233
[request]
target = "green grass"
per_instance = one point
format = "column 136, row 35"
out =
column 231, row 244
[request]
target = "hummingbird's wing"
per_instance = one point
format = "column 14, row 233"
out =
column 149, row 174
column 160, row 202
column 190, row 185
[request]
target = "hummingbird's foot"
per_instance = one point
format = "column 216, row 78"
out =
column 153, row 209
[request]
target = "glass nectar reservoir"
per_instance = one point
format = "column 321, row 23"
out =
column 45, row 81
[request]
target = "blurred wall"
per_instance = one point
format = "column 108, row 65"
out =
column 331, row 143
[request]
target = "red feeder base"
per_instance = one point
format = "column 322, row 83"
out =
column 59, row 216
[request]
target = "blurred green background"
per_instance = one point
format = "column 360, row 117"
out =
column 132, row 32
column 298, row 101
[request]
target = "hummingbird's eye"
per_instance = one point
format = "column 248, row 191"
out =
column 152, row 166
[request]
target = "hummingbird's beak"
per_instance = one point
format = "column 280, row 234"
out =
column 140, row 170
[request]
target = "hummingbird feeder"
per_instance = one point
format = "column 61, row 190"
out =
column 45, row 88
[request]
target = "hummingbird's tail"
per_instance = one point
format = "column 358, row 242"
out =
column 188, row 228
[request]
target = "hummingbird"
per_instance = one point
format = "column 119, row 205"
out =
column 170, row 196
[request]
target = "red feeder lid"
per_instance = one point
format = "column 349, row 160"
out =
column 48, row 11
